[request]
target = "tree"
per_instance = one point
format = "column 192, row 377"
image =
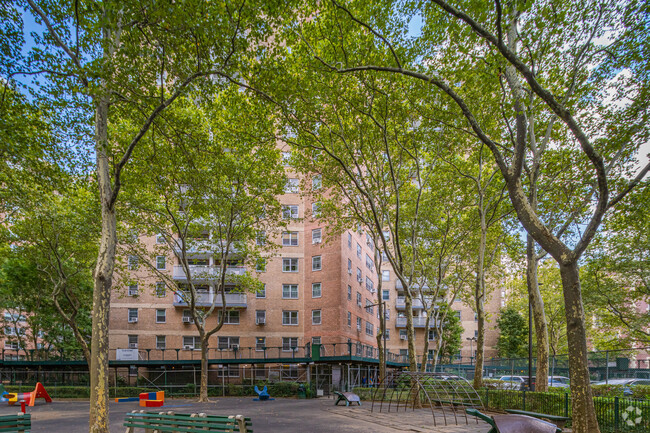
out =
column 112, row 61
column 478, row 35
column 450, row 338
column 47, row 263
column 218, row 196
column 513, row 334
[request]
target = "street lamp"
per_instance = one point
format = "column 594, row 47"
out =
column 383, row 324
column 471, row 349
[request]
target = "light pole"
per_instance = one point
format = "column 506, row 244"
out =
column 383, row 327
column 471, row 350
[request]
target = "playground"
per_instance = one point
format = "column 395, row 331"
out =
column 282, row 414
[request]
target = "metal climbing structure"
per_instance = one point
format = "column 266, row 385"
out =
column 446, row 395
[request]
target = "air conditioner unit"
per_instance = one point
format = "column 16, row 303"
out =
column 133, row 320
column 317, row 241
column 402, row 337
column 373, row 290
column 358, row 328
column 350, row 271
column 359, row 279
column 260, row 321
column 188, row 347
column 234, row 346
column 133, row 345
column 188, row 320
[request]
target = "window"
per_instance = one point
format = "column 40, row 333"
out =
column 187, row 316
column 349, row 240
column 315, row 340
column 260, row 238
column 369, row 263
column 370, row 285
column 457, row 314
column 475, row 317
column 160, row 239
column 260, row 343
column 349, row 266
column 133, row 290
column 359, row 275
column 402, row 334
column 316, row 182
column 358, row 250
column 161, row 290
column 431, row 354
column 315, row 210
column 161, row 316
column 369, row 307
column 349, row 293
column 316, row 290
column 10, row 330
column 289, row 291
column 133, row 341
column 316, row 236
column 359, row 324
column 260, row 317
column 228, row 343
column 385, row 275
column 290, row 212
column 289, row 317
column 384, row 256
column 161, row 342
column 12, row 345
column 432, row 334
column 286, row 158
column 292, row 186
column 133, row 315
column 231, row 317
column 289, row 343
column 261, row 293
column 315, row 317
column 289, row 265
column 160, row 262
column 385, row 295
column 370, row 328
column 228, row 371
column 260, row 265
column 358, row 299
column 386, row 234
column 387, row 333
column 290, row 239
column 386, row 313
column 133, row 262
column 475, row 333
column 349, row 319
column 316, row 264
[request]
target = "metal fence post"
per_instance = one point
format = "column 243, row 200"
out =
column 615, row 413
column 524, row 400
column 487, row 397
column 566, row 404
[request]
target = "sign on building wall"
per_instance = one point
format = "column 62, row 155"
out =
column 126, row 354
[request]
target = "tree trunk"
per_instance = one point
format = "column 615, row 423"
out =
column 203, row 394
column 102, row 279
column 479, row 297
column 539, row 316
column 583, row 413
column 380, row 335
column 410, row 331
column 425, row 346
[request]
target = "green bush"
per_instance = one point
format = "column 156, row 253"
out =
column 638, row 391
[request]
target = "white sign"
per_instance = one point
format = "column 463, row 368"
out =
column 126, row 354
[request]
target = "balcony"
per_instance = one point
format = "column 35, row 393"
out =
column 205, row 273
column 400, row 303
column 206, row 299
column 418, row 322
column 202, row 248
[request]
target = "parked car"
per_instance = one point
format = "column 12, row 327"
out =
column 558, row 381
column 515, row 382
column 626, row 383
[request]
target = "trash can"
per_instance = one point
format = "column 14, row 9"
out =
column 302, row 392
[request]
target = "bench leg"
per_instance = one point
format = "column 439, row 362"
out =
column 242, row 423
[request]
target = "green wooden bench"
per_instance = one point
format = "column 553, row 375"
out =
column 347, row 397
column 170, row 422
column 455, row 403
column 488, row 419
column 16, row 423
column 557, row 419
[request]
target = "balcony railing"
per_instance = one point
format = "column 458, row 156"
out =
column 400, row 303
column 418, row 322
column 203, row 246
column 206, row 299
column 206, row 273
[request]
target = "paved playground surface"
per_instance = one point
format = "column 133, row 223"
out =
column 280, row 415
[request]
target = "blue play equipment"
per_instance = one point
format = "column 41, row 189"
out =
column 262, row 395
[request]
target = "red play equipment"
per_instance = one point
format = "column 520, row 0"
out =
column 28, row 397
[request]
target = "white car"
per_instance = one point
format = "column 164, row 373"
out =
column 513, row 382
column 558, row 381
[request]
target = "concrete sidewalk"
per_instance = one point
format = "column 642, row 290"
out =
column 280, row 415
